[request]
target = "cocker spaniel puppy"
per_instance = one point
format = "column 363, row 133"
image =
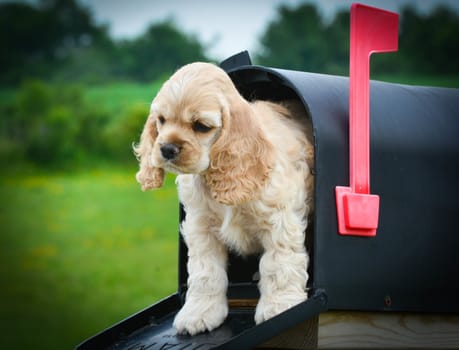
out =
column 246, row 185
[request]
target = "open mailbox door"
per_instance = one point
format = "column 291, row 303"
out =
column 152, row 328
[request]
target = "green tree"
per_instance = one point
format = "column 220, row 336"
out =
column 121, row 133
column 298, row 39
column 38, row 40
column 161, row 50
column 50, row 125
column 23, row 40
column 429, row 43
column 295, row 39
column 84, row 49
column 337, row 40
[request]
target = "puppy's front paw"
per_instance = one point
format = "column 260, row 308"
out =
column 269, row 307
column 198, row 316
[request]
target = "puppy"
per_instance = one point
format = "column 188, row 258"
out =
column 244, row 178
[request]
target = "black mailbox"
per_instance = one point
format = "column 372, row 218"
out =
column 411, row 264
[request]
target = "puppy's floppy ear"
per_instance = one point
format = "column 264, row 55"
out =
column 242, row 157
column 148, row 176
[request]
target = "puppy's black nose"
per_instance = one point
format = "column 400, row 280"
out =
column 169, row 151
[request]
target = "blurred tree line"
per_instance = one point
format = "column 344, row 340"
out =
column 55, row 125
column 59, row 40
column 50, row 125
column 50, row 46
column 300, row 39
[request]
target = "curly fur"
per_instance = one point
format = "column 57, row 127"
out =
column 241, row 159
column 148, row 176
column 245, row 182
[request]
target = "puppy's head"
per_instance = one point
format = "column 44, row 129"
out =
column 199, row 124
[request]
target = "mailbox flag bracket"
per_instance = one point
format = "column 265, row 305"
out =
column 372, row 31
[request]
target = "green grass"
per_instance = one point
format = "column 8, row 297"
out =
column 79, row 252
column 117, row 98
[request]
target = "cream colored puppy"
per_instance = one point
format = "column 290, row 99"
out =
column 246, row 185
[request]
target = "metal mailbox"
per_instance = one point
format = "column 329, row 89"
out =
column 411, row 264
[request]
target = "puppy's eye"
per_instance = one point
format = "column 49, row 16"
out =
column 200, row 127
column 161, row 120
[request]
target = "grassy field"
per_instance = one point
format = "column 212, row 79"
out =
column 119, row 97
column 79, row 252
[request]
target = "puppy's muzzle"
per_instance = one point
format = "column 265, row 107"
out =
column 169, row 151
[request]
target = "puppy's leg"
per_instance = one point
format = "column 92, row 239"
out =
column 206, row 305
column 283, row 268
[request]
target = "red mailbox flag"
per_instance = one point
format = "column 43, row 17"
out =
column 372, row 30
